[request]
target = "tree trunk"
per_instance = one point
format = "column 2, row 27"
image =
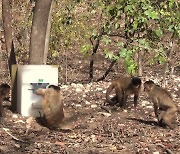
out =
column 107, row 71
column 47, row 36
column 95, row 48
column 40, row 32
column 169, row 62
column 7, row 24
column 140, row 63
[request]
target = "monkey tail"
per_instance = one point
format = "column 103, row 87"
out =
column 108, row 99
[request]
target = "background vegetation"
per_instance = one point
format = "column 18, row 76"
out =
column 130, row 34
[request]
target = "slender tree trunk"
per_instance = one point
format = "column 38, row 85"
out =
column 40, row 32
column 140, row 63
column 47, row 35
column 95, row 48
column 169, row 62
column 107, row 71
column 7, row 24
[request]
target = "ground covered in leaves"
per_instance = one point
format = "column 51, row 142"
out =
column 95, row 128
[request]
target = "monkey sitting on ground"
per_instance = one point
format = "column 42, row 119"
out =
column 164, row 107
column 52, row 105
column 4, row 95
column 124, row 86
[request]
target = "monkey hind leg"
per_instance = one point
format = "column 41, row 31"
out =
column 124, row 100
column 169, row 118
column 119, row 96
column 160, row 120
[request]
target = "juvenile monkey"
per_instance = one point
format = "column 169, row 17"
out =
column 124, row 86
column 4, row 95
column 164, row 107
column 52, row 105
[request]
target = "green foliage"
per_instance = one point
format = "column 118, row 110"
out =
column 85, row 49
column 142, row 24
column 110, row 55
column 70, row 28
column 106, row 40
column 129, row 26
column 130, row 63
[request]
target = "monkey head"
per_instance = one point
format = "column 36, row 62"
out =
column 54, row 87
column 148, row 85
column 136, row 82
column 4, row 91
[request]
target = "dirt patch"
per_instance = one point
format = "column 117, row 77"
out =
column 96, row 129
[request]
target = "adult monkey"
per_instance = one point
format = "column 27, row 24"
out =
column 164, row 107
column 4, row 95
column 52, row 105
column 124, row 86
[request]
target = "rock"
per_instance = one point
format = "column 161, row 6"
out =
column 78, row 90
column 149, row 107
column 105, row 114
column 145, row 103
column 93, row 106
column 87, row 103
column 156, row 152
column 78, row 105
column 15, row 116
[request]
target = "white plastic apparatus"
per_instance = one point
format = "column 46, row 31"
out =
column 30, row 77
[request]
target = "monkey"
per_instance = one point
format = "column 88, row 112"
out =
column 164, row 107
column 4, row 96
column 52, row 105
column 124, row 86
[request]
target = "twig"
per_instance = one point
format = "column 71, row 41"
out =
column 15, row 138
column 104, row 108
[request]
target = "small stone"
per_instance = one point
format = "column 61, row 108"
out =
column 15, row 116
column 78, row 105
column 78, row 90
column 104, row 91
column 99, row 89
column 156, row 152
column 93, row 106
column 87, row 103
column 105, row 114
column 149, row 107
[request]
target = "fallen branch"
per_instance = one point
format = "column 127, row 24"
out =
column 13, row 137
column 104, row 108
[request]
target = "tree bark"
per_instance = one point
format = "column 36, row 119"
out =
column 107, row 71
column 40, row 32
column 47, row 36
column 95, row 48
column 7, row 24
column 169, row 62
column 140, row 63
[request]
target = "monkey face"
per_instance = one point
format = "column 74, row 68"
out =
column 136, row 82
column 148, row 85
column 4, row 90
column 136, row 87
column 5, row 94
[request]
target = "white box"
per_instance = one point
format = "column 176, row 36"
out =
column 28, row 103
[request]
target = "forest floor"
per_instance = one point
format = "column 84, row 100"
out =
column 96, row 128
